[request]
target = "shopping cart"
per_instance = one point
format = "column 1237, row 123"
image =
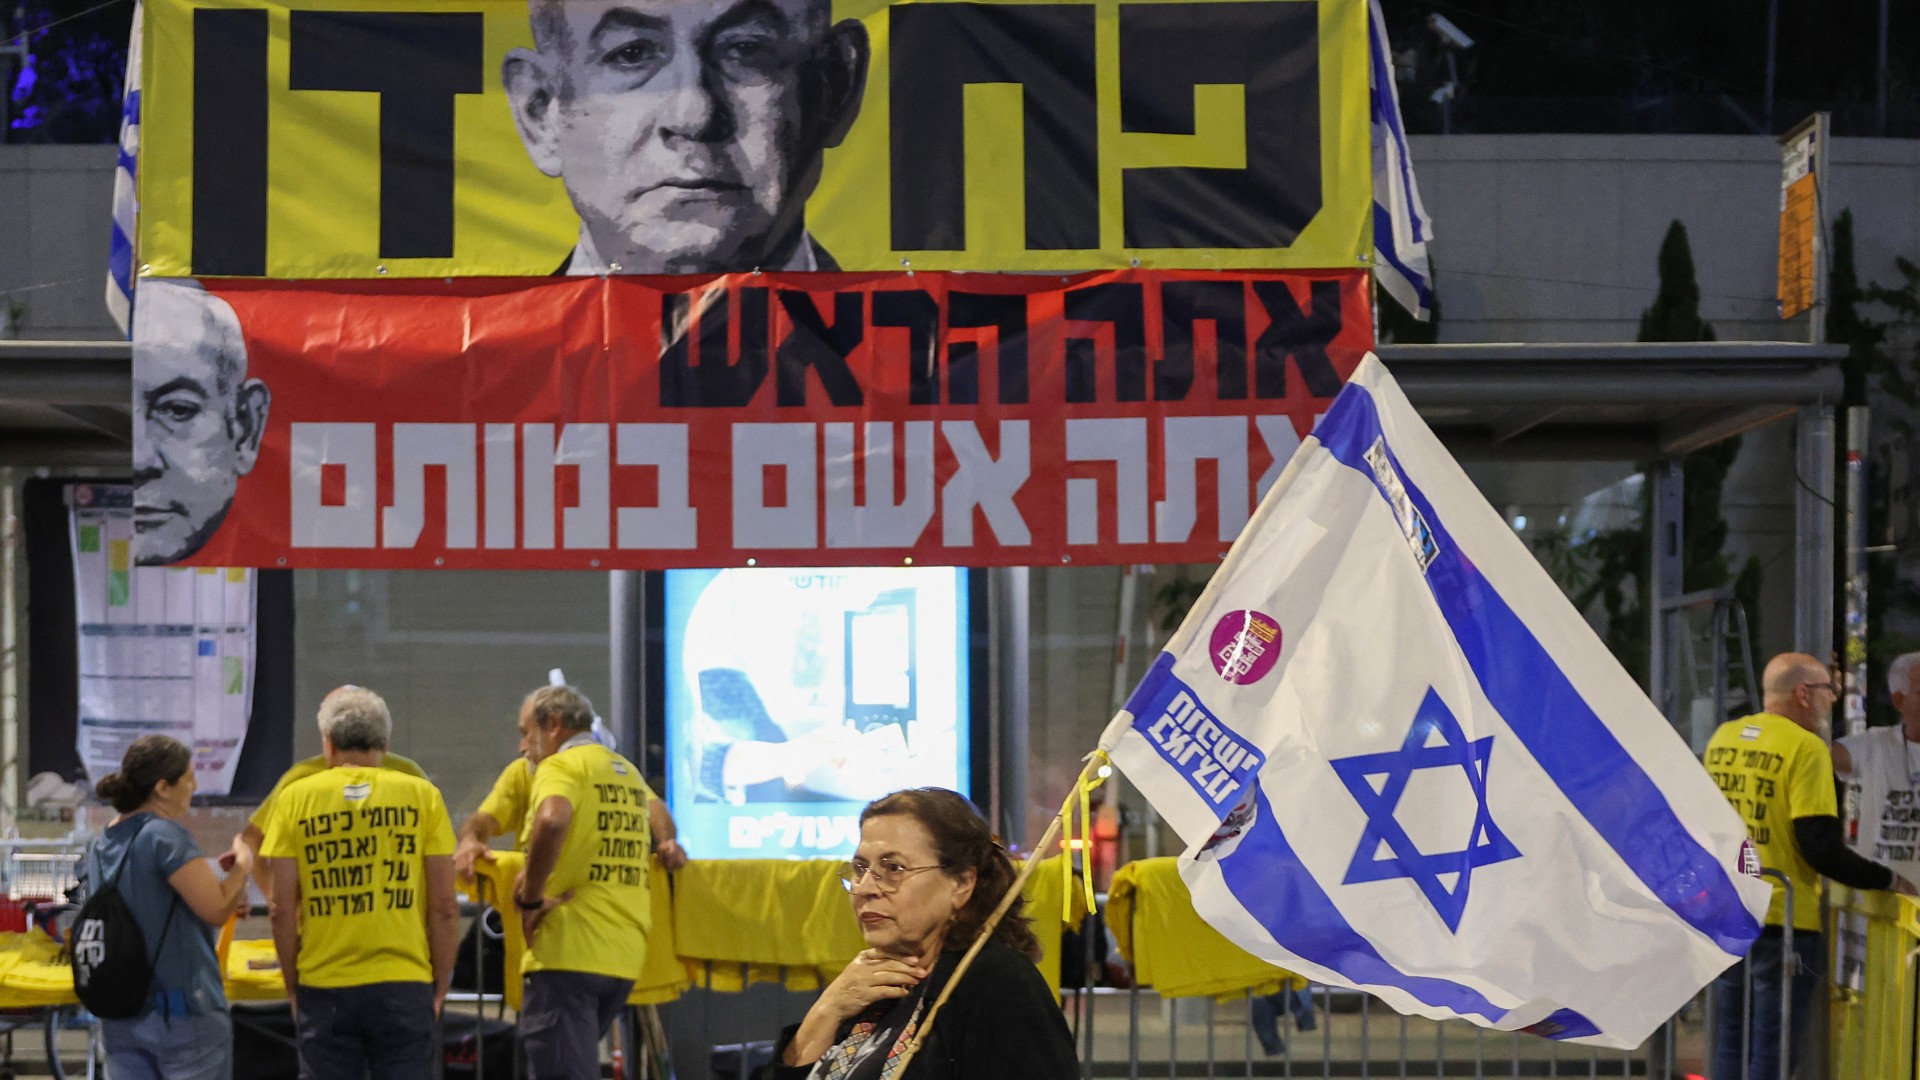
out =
column 37, row 877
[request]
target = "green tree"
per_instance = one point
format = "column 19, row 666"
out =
column 1617, row 571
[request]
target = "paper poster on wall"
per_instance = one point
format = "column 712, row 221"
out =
column 162, row 650
column 796, row 696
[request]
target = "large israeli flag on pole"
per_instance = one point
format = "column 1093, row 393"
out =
column 1401, row 761
column 1401, row 226
column 126, row 197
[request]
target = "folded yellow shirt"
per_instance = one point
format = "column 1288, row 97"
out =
column 1178, row 953
column 33, row 973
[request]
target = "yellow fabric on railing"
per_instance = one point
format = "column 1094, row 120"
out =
column 1150, row 915
column 662, row 977
column 744, row 921
column 1043, row 907
column 253, row 971
column 756, row 920
column 756, row 914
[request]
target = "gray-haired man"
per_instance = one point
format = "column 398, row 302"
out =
column 364, row 917
column 1885, row 762
column 583, row 897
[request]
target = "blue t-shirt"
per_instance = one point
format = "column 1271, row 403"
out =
column 185, row 961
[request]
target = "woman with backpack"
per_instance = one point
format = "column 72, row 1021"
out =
column 145, row 865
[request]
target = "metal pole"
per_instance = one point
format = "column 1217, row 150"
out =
column 9, row 640
column 1366, row 1041
column 1209, row 1002
column 1133, row 998
column 1746, row 1010
column 1011, row 614
column 1789, row 969
column 1813, row 531
column 480, row 988
column 1403, row 1046
column 1668, row 506
column 1249, row 1035
column 1172, row 1008
column 1854, row 716
column 1087, row 981
column 626, row 622
column 1326, row 1031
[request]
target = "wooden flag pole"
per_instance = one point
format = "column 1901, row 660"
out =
column 1006, row 902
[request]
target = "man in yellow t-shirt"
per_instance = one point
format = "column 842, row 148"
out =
column 365, row 921
column 583, row 898
column 256, row 829
column 504, row 813
column 1776, row 770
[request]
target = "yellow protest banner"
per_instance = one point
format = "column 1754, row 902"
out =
column 345, row 138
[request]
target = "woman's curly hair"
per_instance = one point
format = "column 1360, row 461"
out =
column 963, row 841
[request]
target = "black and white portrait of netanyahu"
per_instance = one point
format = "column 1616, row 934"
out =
column 688, row 133
column 197, row 419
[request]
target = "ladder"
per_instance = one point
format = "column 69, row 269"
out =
column 1712, row 663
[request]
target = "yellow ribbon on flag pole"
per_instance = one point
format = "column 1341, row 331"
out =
column 1089, row 779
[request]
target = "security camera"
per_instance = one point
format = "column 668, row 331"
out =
column 1451, row 35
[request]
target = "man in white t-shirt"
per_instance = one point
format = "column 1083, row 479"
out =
column 1885, row 763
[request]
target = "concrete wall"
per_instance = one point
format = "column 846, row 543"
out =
column 1556, row 237
column 1540, row 237
column 55, row 207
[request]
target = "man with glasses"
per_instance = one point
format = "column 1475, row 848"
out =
column 1775, row 768
column 583, row 898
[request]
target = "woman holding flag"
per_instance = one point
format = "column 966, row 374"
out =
column 924, row 881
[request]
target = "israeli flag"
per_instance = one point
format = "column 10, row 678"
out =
column 1401, row 761
column 1401, row 227
column 126, row 191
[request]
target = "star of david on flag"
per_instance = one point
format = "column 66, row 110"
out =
column 1434, row 741
column 1402, row 762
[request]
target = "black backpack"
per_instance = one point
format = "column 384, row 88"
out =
column 112, row 970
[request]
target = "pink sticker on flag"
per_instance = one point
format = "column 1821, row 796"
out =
column 1245, row 646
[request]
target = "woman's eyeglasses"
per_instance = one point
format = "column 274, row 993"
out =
column 887, row 874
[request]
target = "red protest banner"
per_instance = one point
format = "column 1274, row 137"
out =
column 797, row 419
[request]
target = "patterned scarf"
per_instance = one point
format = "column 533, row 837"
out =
column 857, row 1057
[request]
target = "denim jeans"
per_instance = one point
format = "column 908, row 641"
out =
column 1266, row 1017
column 387, row 1029
column 1763, row 1041
column 563, row 1014
column 161, row 1047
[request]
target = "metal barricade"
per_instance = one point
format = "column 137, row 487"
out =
column 1352, row 1041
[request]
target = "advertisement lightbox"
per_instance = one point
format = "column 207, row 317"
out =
column 793, row 697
